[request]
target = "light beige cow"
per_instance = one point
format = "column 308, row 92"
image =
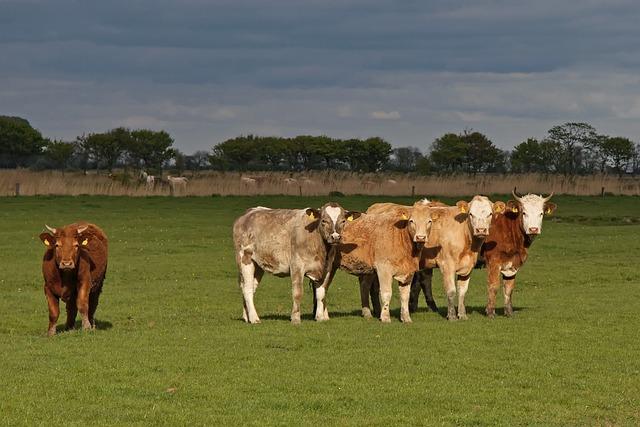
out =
column 285, row 242
column 387, row 246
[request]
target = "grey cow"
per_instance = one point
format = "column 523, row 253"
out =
column 285, row 242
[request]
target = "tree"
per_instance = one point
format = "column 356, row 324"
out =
column 368, row 155
column 107, row 148
column 405, row 159
column 619, row 152
column 60, row 153
column 481, row 155
column 572, row 138
column 197, row 161
column 150, row 149
column 529, row 156
column 448, row 153
column 19, row 142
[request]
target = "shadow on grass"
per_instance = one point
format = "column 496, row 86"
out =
column 100, row 325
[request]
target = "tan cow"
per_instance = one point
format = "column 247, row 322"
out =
column 453, row 246
column 387, row 246
column 285, row 242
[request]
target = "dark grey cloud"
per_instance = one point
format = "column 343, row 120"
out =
column 408, row 71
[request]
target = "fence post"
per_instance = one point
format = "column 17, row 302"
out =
column 300, row 190
column 413, row 191
column 602, row 192
column 17, row 189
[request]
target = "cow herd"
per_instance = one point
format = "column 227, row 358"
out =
column 387, row 242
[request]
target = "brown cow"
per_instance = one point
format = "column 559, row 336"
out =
column 386, row 246
column 74, row 268
column 507, row 246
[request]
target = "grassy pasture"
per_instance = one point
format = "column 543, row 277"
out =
column 171, row 347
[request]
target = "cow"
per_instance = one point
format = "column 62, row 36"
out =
column 74, row 268
column 177, row 183
column 285, row 242
column 506, row 248
column 385, row 245
column 248, row 180
column 148, row 180
column 453, row 246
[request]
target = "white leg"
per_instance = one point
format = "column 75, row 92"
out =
column 249, row 285
column 386, row 280
column 405, row 292
column 463, row 285
column 297, row 279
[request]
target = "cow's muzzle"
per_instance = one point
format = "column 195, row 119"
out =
column 534, row 230
column 481, row 232
column 335, row 238
column 67, row 265
column 419, row 238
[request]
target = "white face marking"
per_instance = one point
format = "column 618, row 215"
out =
column 333, row 213
column 480, row 214
column 532, row 213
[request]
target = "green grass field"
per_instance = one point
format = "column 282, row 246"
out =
column 171, row 348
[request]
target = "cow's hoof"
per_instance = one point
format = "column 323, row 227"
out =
column 51, row 332
column 295, row 320
column 255, row 321
column 452, row 317
column 508, row 311
column 463, row 316
column 406, row 319
column 385, row 318
column 491, row 315
column 366, row 313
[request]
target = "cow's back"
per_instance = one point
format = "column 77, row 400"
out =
column 96, row 252
column 267, row 235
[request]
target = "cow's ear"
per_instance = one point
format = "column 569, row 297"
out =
column 313, row 213
column 549, row 208
column 47, row 239
column 404, row 216
column 499, row 207
column 513, row 206
column 351, row 215
column 435, row 215
column 463, row 206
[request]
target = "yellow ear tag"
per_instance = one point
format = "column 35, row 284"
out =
column 311, row 215
column 85, row 242
column 463, row 209
column 515, row 210
column 350, row 218
column 46, row 242
column 498, row 209
column 404, row 216
column 548, row 211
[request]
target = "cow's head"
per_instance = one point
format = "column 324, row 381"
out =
column 66, row 244
column 480, row 211
column 533, row 208
column 419, row 220
column 333, row 218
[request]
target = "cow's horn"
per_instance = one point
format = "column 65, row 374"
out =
column 515, row 194
column 82, row 229
column 546, row 199
column 51, row 229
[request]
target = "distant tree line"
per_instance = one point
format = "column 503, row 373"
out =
column 569, row 149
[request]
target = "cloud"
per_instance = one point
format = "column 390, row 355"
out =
column 384, row 115
column 206, row 71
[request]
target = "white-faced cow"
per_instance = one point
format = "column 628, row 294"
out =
column 285, row 242
column 506, row 248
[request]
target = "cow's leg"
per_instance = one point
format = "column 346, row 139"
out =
column 297, row 289
column 249, row 283
column 82, row 302
column 509, row 284
column 366, row 282
column 321, row 311
column 405, row 290
column 94, row 297
column 426, row 288
column 449, row 282
column 463, row 285
column 386, row 281
column 374, row 293
column 72, row 311
column 416, row 287
column 54, row 310
column 493, row 283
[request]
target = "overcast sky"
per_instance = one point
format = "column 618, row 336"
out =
column 405, row 70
